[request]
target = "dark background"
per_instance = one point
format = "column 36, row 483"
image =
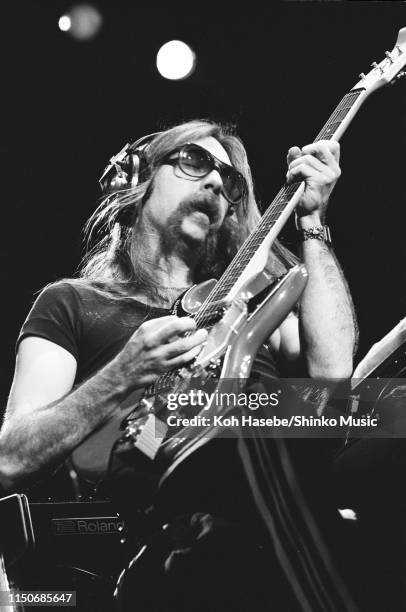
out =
column 275, row 71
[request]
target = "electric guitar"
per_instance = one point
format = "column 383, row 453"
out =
column 241, row 310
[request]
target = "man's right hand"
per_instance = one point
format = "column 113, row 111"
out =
column 46, row 419
column 155, row 347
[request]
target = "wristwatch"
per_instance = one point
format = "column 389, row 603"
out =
column 320, row 232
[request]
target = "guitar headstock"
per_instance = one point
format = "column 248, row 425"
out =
column 389, row 69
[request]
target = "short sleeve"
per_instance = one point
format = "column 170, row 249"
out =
column 55, row 316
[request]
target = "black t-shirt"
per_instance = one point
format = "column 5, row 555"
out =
column 90, row 325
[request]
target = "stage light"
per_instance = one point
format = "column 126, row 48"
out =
column 348, row 514
column 175, row 60
column 64, row 23
column 82, row 22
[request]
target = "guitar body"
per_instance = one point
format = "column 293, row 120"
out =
column 224, row 363
column 250, row 331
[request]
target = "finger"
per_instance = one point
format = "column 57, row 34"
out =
column 184, row 326
column 183, row 345
column 169, row 327
column 325, row 150
column 183, row 358
column 310, row 161
column 333, row 146
column 293, row 153
column 312, row 168
column 303, row 172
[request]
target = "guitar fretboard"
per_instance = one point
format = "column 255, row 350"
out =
column 337, row 118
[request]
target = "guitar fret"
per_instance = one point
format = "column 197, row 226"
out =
column 346, row 104
column 330, row 130
column 341, row 112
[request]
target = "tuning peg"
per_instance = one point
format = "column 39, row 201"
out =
column 375, row 65
column 362, row 75
column 388, row 55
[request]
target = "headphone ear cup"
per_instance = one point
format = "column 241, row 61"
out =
column 113, row 179
column 116, row 176
column 127, row 168
column 123, row 174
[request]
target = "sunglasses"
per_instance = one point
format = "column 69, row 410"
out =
column 198, row 162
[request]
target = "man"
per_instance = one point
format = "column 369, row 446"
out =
column 89, row 342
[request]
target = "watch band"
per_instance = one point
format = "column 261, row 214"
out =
column 320, row 232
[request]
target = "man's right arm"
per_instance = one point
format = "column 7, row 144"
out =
column 45, row 419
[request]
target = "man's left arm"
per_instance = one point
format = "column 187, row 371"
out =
column 327, row 323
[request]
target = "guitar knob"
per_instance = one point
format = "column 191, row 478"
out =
column 148, row 404
column 362, row 75
column 132, row 430
column 374, row 65
column 388, row 55
column 214, row 364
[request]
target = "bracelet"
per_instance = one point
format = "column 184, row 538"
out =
column 321, row 232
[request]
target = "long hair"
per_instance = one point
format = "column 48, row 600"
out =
column 117, row 264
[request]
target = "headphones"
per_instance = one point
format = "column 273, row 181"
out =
column 124, row 169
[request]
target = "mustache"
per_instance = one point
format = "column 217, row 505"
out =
column 208, row 203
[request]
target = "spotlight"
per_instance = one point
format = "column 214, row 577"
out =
column 64, row 23
column 175, row 60
column 82, row 22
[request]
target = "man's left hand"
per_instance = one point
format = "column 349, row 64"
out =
column 318, row 165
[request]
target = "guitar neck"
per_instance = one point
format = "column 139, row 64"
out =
column 340, row 119
column 278, row 211
column 379, row 353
